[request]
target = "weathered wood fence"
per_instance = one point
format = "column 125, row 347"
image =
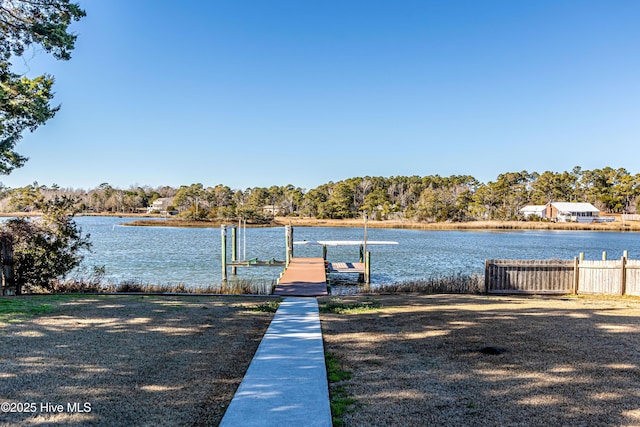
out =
column 614, row 277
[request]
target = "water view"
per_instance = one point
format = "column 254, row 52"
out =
column 170, row 256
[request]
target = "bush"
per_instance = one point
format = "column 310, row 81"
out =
column 46, row 249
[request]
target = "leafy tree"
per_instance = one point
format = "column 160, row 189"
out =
column 26, row 103
column 47, row 248
column 313, row 201
column 25, row 198
column 553, row 187
column 503, row 198
column 341, row 201
column 190, row 197
column 612, row 190
column 292, row 199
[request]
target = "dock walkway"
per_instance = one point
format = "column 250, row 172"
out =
column 304, row 277
column 286, row 383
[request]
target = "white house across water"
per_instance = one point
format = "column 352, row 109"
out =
column 566, row 211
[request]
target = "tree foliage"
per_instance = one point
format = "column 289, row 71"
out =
column 25, row 103
column 47, row 248
column 430, row 198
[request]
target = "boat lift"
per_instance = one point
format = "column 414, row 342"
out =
column 362, row 268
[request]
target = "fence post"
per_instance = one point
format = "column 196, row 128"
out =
column 576, row 275
column 486, row 276
column 623, row 278
column 604, row 255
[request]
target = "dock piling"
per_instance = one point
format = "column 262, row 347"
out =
column 234, row 250
column 367, row 268
column 223, row 235
column 289, row 241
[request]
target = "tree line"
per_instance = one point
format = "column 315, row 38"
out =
column 431, row 198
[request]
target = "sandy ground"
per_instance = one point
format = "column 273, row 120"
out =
column 490, row 361
column 143, row 361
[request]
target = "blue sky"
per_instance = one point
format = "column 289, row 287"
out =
column 260, row 93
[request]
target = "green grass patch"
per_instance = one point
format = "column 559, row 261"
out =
column 13, row 309
column 265, row 307
column 339, row 399
column 337, row 306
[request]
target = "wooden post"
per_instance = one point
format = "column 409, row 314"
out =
column 365, row 235
column 234, row 249
column 576, row 275
column 288, row 235
column 223, row 235
column 367, row 268
column 324, row 252
column 361, row 254
column 6, row 258
column 604, row 255
column 581, row 256
column 625, row 254
column 486, row 276
column 623, row 275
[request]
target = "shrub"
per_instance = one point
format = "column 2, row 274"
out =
column 46, row 248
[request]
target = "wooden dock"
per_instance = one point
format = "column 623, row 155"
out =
column 304, row 277
column 347, row 267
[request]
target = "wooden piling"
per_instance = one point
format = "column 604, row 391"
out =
column 289, row 244
column 367, row 268
column 223, row 235
column 234, row 250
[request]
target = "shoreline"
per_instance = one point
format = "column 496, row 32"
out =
column 150, row 220
column 461, row 226
column 617, row 226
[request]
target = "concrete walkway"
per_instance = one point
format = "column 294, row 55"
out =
column 286, row 383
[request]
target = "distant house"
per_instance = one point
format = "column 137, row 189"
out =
column 565, row 211
column 537, row 210
column 272, row 210
column 160, row 205
column 568, row 211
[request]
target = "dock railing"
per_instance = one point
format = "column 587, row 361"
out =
column 559, row 277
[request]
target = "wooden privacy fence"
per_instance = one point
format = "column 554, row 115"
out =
column 615, row 277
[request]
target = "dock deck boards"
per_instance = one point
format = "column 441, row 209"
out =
column 346, row 267
column 303, row 277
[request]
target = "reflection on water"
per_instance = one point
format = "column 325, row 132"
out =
column 169, row 256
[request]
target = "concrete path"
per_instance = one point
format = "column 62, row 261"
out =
column 286, row 383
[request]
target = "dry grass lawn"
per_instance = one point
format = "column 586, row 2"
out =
column 451, row 360
column 143, row 361
column 445, row 360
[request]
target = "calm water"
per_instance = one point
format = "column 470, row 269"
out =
column 166, row 255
